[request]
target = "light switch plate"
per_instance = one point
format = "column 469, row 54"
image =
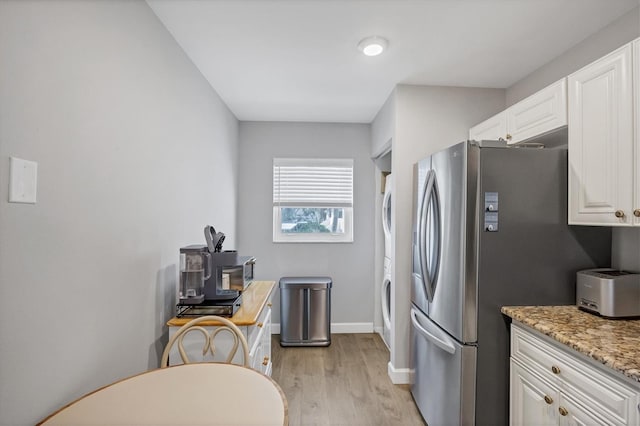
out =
column 23, row 180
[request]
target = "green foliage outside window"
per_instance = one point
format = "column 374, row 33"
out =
column 311, row 220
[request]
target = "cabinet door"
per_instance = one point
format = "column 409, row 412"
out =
column 256, row 354
column 492, row 129
column 540, row 113
column 636, row 86
column 572, row 413
column 601, row 141
column 266, row 345
column 260, row 342
column 533, row 401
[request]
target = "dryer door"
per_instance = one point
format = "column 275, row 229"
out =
column 386, row 302
column 386, row 310
column 386, row 211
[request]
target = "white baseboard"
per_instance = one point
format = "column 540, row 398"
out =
column 339, row 327
column 399, row 376
column 378, row 329
column 351, row 327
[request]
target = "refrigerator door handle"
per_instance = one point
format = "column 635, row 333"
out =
column 420, row 234
column 422, row 225
column 430, row 271
column 436, row 236
column 442, row 344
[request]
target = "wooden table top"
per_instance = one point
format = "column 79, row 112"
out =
column 254, row 299
column 188, row 394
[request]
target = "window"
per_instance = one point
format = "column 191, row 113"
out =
column 312, row 200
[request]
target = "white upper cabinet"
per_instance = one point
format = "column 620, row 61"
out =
column 492, row 129
column 540, row 113
column 536, row 115
column 601, row 145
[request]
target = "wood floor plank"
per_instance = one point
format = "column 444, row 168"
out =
column 314, row 396
column 345, row 383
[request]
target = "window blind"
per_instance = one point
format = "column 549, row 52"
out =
column 313, row 182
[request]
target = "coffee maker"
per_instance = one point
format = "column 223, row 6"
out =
column 195, row 270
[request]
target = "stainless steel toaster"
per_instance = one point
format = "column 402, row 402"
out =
column 608, row 292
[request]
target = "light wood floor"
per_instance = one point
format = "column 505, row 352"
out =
column 343, row 384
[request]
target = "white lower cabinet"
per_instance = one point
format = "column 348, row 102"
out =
column 550, row 385
column 260, row 346
column 533, row 400
column 536, row 402
column 574, row 414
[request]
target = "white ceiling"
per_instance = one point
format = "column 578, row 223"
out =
column 297, row 60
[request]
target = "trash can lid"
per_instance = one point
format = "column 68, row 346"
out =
column 307, row 282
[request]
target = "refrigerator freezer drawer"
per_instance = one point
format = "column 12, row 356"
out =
column 444, row 381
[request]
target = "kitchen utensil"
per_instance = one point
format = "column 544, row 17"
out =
column 218, row 239
column 209, row 232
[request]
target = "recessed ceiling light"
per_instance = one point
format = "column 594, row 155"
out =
column 372, row 46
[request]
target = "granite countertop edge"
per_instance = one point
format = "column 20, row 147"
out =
column 612, row 343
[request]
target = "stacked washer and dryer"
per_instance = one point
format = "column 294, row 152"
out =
column 388, row 260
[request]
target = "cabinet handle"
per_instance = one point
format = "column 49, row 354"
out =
column 548, row 399
column 260, row 324
column 620, row 214
column 555, row 370
column 509, row 137
column 636, row 212
column 563, row 411
column 265, row 361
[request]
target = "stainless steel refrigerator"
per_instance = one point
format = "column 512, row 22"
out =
column 489, row 229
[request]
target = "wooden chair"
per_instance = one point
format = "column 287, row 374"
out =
column 209, row 338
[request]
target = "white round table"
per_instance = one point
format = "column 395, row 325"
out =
column 191, row 394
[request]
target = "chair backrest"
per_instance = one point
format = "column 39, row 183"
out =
column 209, row 337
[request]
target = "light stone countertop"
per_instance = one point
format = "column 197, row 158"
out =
column 614, row 343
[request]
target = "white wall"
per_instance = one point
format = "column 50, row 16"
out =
column 382, row 130
column 625, row 250
column 383, row 126
column 614, row 35
column 382, row 164
column 136, row 153
column 349, row 264
column 427, row 120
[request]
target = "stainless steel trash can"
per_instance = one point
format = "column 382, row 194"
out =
column 305, row 311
